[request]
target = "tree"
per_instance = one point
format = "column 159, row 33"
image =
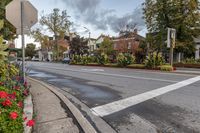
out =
column 8, row 31
column 182, row 15
column 78, row 46
column 3, row 47
column 107, row 46
column 30, row 50
column 58, row 24
column 40, row 37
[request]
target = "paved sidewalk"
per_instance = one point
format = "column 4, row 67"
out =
column 50, row 116
column 188, row 71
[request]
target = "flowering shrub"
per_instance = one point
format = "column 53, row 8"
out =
column 12, row 94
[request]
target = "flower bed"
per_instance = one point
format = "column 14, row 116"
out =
column 12, row 94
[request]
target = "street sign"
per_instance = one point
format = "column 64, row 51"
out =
column 13, row 15
column 23, row 16
column 171, row 37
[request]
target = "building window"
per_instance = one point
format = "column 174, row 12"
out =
column 115, row 46
column 129, row 45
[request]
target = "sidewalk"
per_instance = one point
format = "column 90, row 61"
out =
column 50, row 116
column 188, row 71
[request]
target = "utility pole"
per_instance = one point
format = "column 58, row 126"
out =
column 23, row 41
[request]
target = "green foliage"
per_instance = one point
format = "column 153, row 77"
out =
column 57, row 23
column 102, row 59
column 125, row 59
column 178, row 14
column 191, row 61
column 107, row 46
column 8, row 71
column 78, row 46
column 84, row 60
column 30, row 50
column 8, row 31
column 154, row 60
column 10, row 84
column 166, row 68
column 3, row 47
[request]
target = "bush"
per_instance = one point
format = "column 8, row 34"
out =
column 190, row 61
column 154, row 61
column 125, row 59
column 102, row 59
column 84, row 60
column 92, row 59
column 166, row 68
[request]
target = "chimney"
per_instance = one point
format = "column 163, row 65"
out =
column 135, row 31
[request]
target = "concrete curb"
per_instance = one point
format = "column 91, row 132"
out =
column 83, row 122
column 28, row 113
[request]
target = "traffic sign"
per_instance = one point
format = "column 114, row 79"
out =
column 14, row 14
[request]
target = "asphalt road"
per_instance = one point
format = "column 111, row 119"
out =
column 130, row 101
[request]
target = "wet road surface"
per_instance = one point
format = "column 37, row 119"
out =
column 174, row 112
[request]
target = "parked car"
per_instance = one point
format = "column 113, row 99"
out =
column 66, row 60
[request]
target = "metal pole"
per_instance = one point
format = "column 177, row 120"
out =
column 171, row 55
column 23, row 41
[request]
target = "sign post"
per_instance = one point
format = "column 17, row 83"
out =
column 23, row 15
column 171, row 42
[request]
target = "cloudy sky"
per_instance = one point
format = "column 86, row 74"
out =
column 99, row 16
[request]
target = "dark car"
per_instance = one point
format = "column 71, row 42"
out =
column 66, row 60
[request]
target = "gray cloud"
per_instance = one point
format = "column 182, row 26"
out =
column 90, row 12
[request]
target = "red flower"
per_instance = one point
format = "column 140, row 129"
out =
column 30, row 123
column 3, row 94
column 13, row 115
column 20, row 104
column 7, row 102
column 25, row 84
column 12, row 96
column 1, row 83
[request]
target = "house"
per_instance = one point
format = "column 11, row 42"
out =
column 127, row 43
column 92, row 44
column 46, row 53
column 99, row 40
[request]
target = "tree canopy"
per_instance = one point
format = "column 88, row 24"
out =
column 30, row 50
column 8, row 31
column 182, row 15
column 57, row 23
column 78, row 46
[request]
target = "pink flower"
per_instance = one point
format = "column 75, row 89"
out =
column 25, row 118
column 17, row 87
column 26, row 92
column 30, row 123
column 13, row 115
column 7, row 102
column 20, row 104
column 3, row 94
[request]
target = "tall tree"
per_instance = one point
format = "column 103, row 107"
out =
column 182, row 15
column 78, row 46
column 107, row 46
column 8, row 31
column 58, row 24
column 30, row 50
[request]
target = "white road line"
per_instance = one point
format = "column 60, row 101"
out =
column 116, row 106
column 113, row 75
